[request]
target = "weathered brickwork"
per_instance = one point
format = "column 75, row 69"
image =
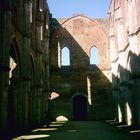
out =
column 79, row 34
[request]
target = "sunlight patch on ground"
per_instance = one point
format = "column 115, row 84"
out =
column 108, row 121
column 55, row 125
column 114, row 122
column 121, row 126
column 135, row 131
column 61, row 119
column 58, row 122
column 119, row 114
column 27, row 137
column 44, row 129
column 129, row 114
column 72, row 131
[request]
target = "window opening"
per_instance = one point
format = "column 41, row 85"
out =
column 65, row 57
column 94, row 56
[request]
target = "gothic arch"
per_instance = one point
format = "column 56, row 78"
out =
column 83, row 16
column 67, row 30
column 15, row 55
column 14, row 74
column 65, row 56
column 75, row 16
column 94, row 57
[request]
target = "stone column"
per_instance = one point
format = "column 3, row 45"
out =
column 38, row 71
column 5, row 39
column 47, row 78
column 117, row 110
column 126, row 103
column 135, row 74
column 115, row 80
column 25, row 89
column 122, row 68
column 38, row 89
column 137, row 99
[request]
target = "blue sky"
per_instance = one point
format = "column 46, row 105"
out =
column 90, row 8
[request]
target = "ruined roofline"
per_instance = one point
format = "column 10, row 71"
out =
column 101, row 22
column 64, row 19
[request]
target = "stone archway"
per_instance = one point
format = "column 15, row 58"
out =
column 80, row 109
column 15, row 71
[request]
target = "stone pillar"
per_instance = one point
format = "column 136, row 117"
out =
column 135, row 75
column 137, row 99
column 126, row 103
column 132, row 16
column 32, row 108
column 115, row 80
column 5, row 39
column 25, row 89
column 38, row 71
column 117, row 110
column 38, row 89
column 47, row 77
column 122, row 71
column 16, row 88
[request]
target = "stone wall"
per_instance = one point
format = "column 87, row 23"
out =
column 125, row 59
column 24, row 65
column 79, row 34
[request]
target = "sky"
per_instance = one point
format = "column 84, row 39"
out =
column 67, row 8
column 90, row 8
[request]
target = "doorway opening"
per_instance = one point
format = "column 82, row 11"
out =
column 80, row 111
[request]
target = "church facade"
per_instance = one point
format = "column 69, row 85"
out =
column 79, row 68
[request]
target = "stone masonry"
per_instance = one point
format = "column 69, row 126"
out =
column 79, row 34
column 24, row 69
column 35, row 86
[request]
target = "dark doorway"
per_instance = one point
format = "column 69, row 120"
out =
column 80, row 108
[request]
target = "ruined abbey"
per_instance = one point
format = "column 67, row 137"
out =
column 36, row 86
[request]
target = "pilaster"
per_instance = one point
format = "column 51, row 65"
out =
column 5, row 39
column 26, row 73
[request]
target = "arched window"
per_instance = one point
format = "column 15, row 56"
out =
column 65, row 57
column 94, row 56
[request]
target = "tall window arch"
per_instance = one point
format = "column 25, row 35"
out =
column 94, row 56
column 65, row 57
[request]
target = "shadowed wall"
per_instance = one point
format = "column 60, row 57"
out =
column 79, row 34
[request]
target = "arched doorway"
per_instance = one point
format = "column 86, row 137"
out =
column 80, row 112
